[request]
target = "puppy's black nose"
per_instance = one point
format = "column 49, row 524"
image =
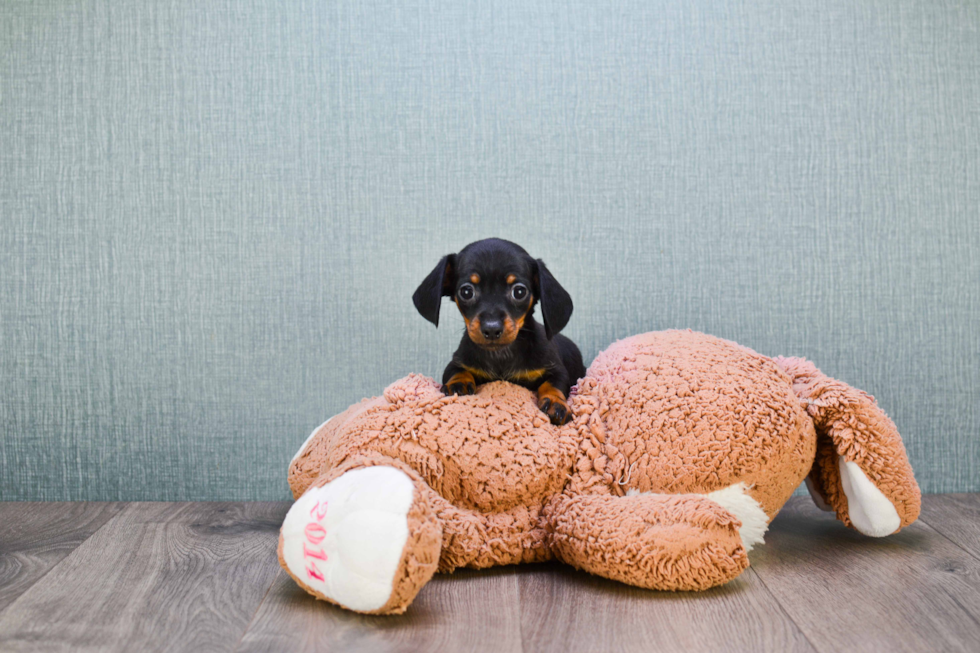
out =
column 491, row 329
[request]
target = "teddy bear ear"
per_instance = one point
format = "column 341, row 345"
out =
column 556, row 303
column 441, row 282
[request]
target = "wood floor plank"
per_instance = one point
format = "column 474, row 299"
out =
column 204, row 576
column 215, row 514
column 465, row 611
column 913, row 591
column 957, row 516
column 567, row 610
column 188, row 581
column 37, row 536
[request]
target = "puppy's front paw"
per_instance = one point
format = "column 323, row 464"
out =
column 461, row 383
column 551, row 401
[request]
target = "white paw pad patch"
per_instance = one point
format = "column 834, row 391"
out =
column 870, row 510
column 736, row 500
column 345, row 539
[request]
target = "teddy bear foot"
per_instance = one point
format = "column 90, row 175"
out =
column 366, row 540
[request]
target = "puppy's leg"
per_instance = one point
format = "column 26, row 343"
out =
column 553, row 398
column 457, row 380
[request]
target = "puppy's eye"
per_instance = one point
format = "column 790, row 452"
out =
column 465, row 292
column 518, row 291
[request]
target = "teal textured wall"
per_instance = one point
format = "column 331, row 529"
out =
column 214, row 213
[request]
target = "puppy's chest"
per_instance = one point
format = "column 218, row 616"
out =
column 507, row 370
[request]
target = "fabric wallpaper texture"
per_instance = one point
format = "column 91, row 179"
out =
column 213, row 214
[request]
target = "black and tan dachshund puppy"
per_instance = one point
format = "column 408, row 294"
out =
column 496, row 285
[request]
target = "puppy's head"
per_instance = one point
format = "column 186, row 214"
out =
column 496, row 285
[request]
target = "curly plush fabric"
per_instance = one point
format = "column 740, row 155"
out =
column 679, row 411
column 681, row 448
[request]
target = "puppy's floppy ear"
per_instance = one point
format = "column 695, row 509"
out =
column 556, row 304
column 440, row 283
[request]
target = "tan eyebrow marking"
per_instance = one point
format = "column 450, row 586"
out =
column 474, row 278
column 511, row 278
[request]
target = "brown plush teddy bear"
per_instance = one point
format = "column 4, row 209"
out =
column 682, row 449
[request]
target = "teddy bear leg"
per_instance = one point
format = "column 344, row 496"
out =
column 363, row 536
column 656, row 541
column 861, row 470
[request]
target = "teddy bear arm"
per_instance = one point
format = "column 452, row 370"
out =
column 479, row 540
column 656, row 541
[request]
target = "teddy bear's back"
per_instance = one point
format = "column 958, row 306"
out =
column 680, row 411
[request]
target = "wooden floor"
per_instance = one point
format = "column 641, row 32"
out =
column 204, row 576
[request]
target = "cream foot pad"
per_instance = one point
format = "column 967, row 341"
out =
column 344, row 540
